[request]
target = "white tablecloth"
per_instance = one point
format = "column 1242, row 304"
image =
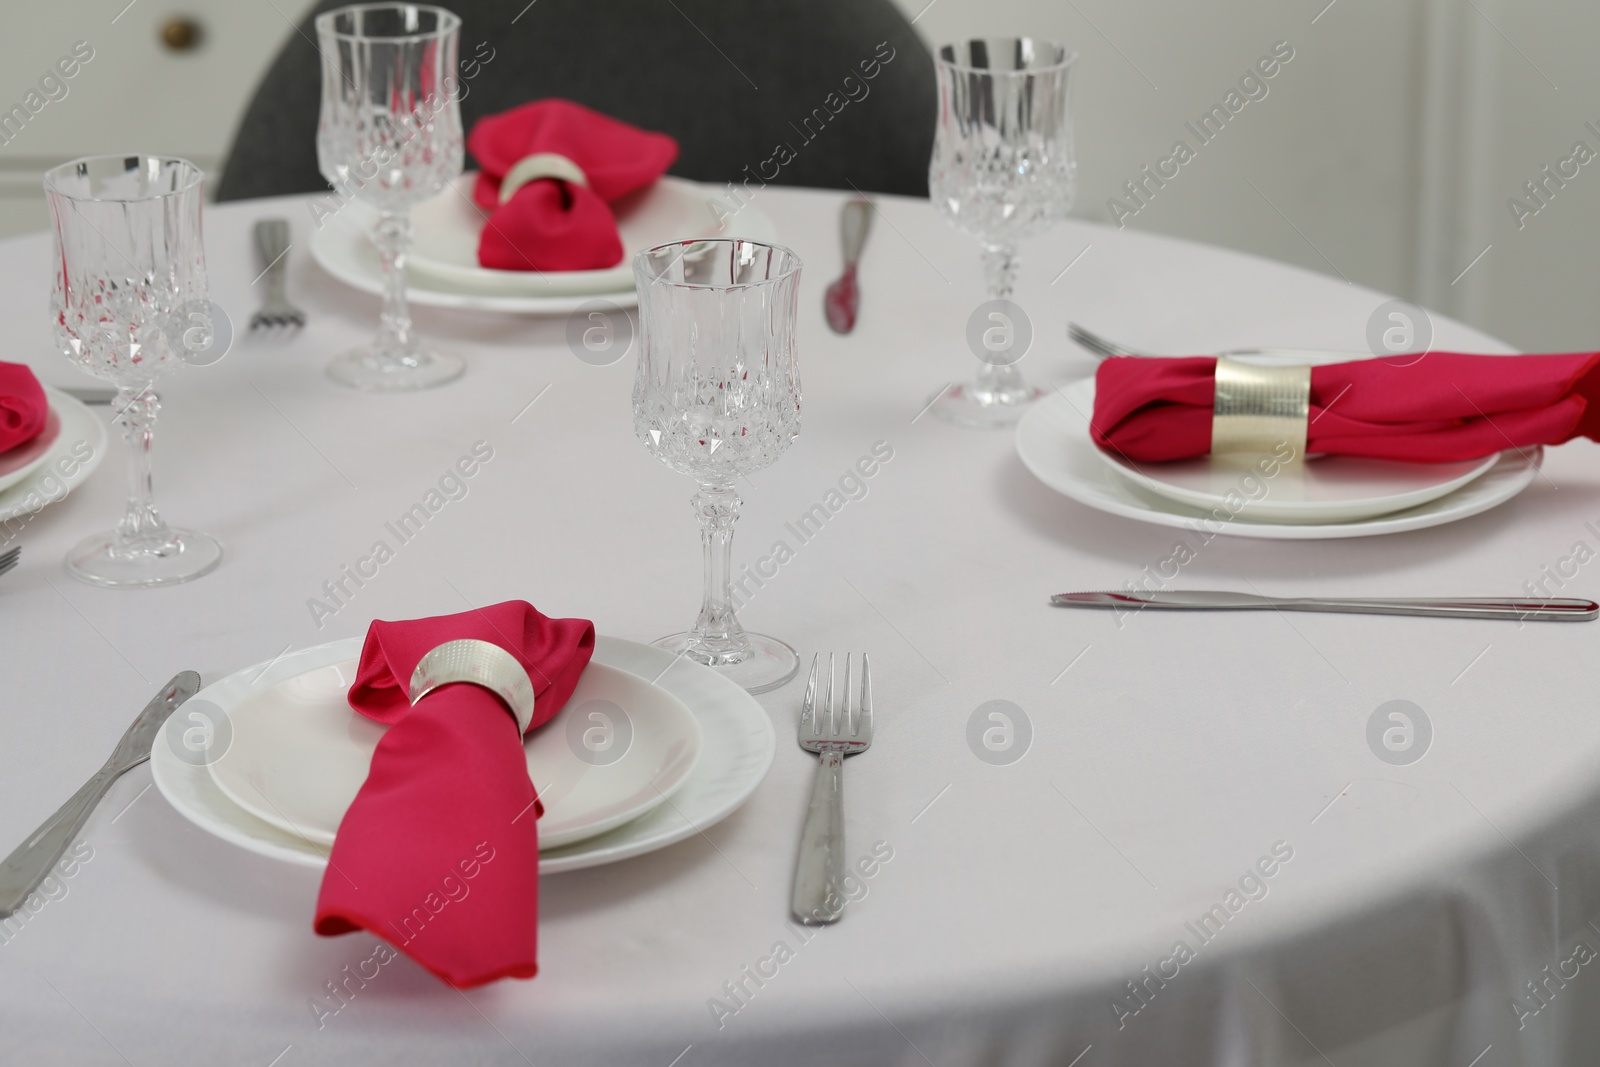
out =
column 1406, row 908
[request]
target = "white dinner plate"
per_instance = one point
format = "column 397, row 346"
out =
column 19, row 462
column 71, row 457
column 737, row 748
column 341, row 246
column 1053, row 442
column 298, row 755
column 345, row 252
column 1318, row 490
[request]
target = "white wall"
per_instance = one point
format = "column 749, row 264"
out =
column 1536, row 286
column 1384, row 151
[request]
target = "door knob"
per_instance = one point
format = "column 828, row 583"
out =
column 180, row 33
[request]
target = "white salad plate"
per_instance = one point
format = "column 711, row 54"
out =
column 1054, row 444
column 737, row 744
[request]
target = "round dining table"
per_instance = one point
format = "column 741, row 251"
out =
column 1079, row 839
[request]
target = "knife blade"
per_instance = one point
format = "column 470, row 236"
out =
column 29, row 864
column 1551, row 609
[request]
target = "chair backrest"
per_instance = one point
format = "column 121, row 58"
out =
column 830, row 93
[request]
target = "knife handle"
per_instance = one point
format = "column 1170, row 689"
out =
column 1551, row 609
column 31, row 862
column 855, row 220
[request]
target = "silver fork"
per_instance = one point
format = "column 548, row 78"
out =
column 832, row 733
column 1100, row 346
column 272, row 251
column 9, row 558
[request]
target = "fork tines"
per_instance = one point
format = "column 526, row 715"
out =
column 280, row 317
column 9, row 558
column 1095, row 343
column 263, row 320
column 833, row 722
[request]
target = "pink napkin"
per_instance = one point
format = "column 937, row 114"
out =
column 23, row 408
column 439, row 853
column 550, row 223
column 1431, row 408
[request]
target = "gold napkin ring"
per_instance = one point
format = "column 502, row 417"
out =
column 1258, row 409
column 481, row 663
column 540, row 165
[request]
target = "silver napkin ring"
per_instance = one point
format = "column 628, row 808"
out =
column 1258, row 409
column 540, row 165
column 481, row 663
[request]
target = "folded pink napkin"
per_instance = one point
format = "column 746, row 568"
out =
column 555, row 223
column 1436, row 407
column 23, row 407
column 439, row 853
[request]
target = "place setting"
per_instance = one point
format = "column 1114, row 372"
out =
column 1305, row 445
column 271, row 757
column 1004, row 168
column 445, row 267
column 398, row 759
column 564, row 198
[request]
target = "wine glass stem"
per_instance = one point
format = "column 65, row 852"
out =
column 1000, row 267
column 141, row 527
column 717, row 637
column 397, row 342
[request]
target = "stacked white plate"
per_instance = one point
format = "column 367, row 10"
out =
column 649, row 750
column 40, row 472
column 444, row 270
column 1322, row 497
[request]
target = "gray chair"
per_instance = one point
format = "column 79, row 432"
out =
column 732, row 80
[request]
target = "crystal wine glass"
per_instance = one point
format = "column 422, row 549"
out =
column 129, row 272
column 1003, row 169
column 717, row 397
column 390, row 134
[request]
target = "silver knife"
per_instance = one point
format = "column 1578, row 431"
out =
column 1553, row 609
column 90, row 394
column 25, row 868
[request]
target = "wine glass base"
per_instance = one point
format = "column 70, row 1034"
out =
column 770, row 663
column 187, row 555
column 361, row 368
column 973, row 405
